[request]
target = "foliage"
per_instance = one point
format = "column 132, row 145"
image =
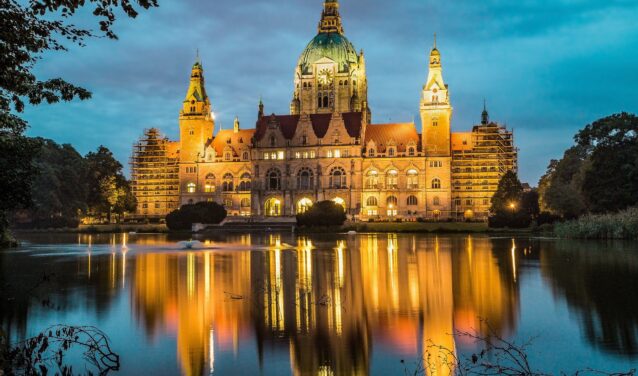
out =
column 611, row 183
column 108, row 190
column 599, row 174
column 507, row 208
column 16, row 175
column 201, row 212
column 48, row 351
column 323, row 213
column 30, row 29
column 621, row 225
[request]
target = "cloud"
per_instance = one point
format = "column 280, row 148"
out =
column 546, row 67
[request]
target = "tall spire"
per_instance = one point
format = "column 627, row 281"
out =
column 330, row 18
column 485, row 117
column 260, row 114
column 196, row 101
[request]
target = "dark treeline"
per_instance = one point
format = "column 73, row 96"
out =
column 598, row 175
column 67, row 186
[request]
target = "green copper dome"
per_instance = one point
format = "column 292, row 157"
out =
column 334, row 46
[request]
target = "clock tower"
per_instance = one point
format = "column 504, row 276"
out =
column 330, row 74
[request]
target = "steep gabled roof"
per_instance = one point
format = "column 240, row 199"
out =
column 320, row 124
column 238, row 141
column 401, row 133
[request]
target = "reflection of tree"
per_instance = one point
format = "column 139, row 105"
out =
column 598, row 280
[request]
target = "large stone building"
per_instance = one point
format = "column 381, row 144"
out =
column 327, row 148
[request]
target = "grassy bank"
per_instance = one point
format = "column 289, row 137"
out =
column 621, row 225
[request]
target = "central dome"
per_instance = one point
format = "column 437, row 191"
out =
column 333, row 46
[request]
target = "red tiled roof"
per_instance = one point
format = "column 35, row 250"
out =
column 320, row 124
column 401, row 133
column 237, row 140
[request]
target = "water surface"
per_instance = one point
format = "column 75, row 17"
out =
column 279, row 304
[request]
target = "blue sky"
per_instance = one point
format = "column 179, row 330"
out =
column 546, row 67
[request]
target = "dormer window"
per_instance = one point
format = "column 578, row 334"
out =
column 411, row 151
column 371, row 152
column 391, row 152
column 227, row 156
column 228, row 141
column 304, row 140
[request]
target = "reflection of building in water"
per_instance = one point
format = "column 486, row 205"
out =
column 325, row 303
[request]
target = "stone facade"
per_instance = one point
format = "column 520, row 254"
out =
column 327, row 148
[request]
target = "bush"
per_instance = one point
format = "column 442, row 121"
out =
column 201, row 212
column 621, row 225
column 517, row 219
column 546, row 218
column 49, row 222
column 323, row 213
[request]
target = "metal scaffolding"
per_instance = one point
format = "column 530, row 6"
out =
column 154, row 175
column 477, row 171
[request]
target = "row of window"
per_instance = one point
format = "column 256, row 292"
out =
column 392, row 152
column 392, row 201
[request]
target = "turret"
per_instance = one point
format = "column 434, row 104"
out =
column 260, row 114
column 330, row 18
column 236, row 125
column 485, row 117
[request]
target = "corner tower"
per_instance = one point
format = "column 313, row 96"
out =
column 436, row 112
column 330, row 75
column 436, row 116
column 196, row 121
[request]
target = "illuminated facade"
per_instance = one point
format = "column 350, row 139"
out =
column 327, row 148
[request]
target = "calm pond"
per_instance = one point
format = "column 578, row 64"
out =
column 282, row 304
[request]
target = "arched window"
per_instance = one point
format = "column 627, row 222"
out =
column 245, row 156
column 413, row 179
column 371, row 152
column 372, row 179
column 209, row 183
column 305, row 179
column 391, row 152
column 244, row 184
column 411, row 151
column 325, row 101
column 338, row 178
column 341, row 202
column 372, row 201
column 273, row 180
column 392, row 179
column 227, row 184
column 436, row 183
column 412, row 201
column 227, row 156
column 191, row 188
column 303, row 205
column 436, row 201
column 391, row 204
column 392, row 201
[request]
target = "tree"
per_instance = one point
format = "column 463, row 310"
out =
column 560, row 191
column 507, row 209
column 611, row 182
column 108, row 190
column 28, row 31
column 323, row 213
column 201, row 212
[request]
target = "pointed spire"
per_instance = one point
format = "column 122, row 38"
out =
column 485, row 117
column 435, row 55
column 196, row 101
column 330, row 18
column 260, row 114
column 434, row 41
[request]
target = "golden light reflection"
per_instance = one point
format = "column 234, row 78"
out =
column 405, row 292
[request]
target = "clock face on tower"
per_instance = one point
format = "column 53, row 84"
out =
column 325, row 76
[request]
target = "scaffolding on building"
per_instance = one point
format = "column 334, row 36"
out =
column 154, row 175
column 477, row 171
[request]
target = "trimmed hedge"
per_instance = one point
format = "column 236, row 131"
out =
column 201, row 212
column 323, row 213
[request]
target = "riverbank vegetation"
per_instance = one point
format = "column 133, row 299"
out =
column 31, row 32
column 596, row 182
column 621, row 225
column 210, row 213
column 322, row 214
